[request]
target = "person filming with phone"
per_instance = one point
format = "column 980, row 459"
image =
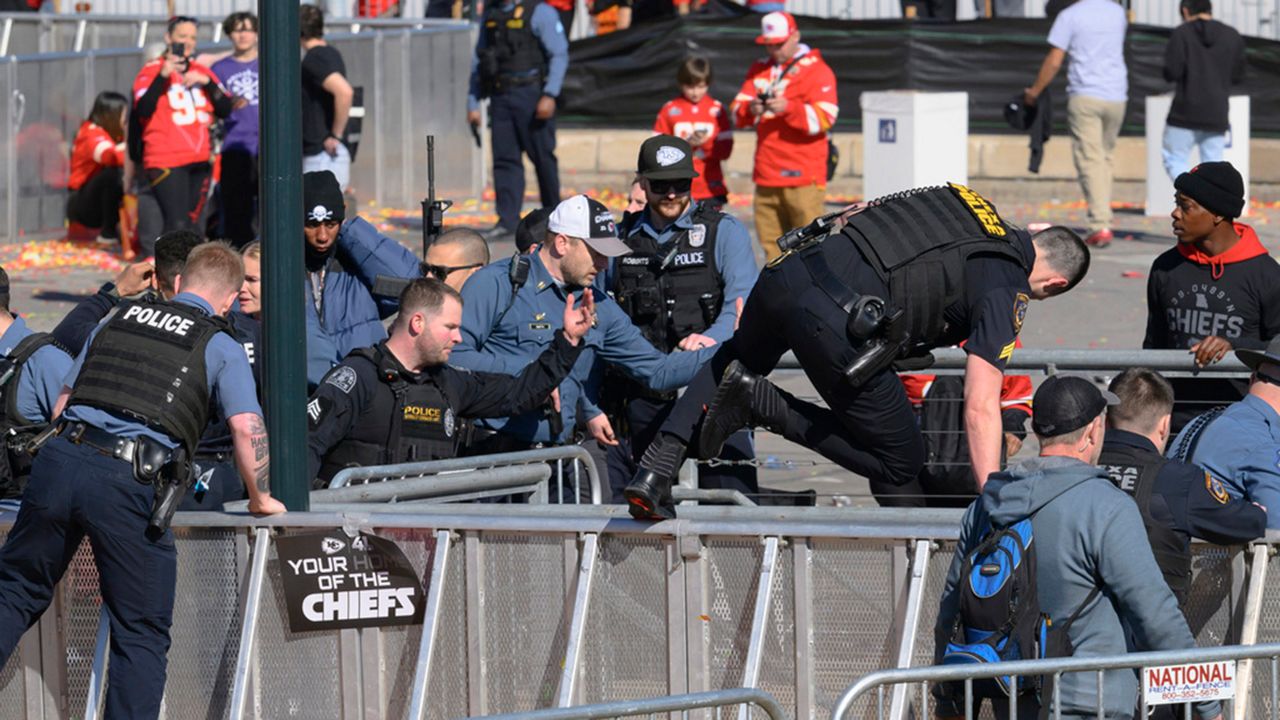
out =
column 175, row 101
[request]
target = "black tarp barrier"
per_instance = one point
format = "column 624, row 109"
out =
column 622, row 79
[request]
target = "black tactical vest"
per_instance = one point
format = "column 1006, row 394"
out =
column 1134, row 471
column 511, row 48
column 148, row 364
column 671, row 294
column 411, row 419
column 15, row 466
column 917, row 242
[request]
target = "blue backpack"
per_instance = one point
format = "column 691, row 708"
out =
column 999, row 616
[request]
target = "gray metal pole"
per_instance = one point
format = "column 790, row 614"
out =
column 280, row 115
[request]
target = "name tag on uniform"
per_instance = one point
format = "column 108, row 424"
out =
column 540, row 326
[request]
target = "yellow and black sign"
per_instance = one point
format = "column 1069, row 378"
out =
column 421, row 413
column 982, row 210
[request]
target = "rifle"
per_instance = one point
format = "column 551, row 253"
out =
column 432, row 224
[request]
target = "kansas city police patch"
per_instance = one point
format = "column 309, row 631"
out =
column 1215, row 488
column 448, row 422
column 697, row 235
column 1020, row 304
column 343, row 378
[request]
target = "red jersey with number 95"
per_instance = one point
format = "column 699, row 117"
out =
column 178, row 132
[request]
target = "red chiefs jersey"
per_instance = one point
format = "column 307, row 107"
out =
column 1015, row 391
column 683, row 119
column 791, row 147
column 178, row 132
column 93, row 150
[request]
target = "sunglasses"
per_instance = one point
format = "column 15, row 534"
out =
column 441, row 272
column 668, row 187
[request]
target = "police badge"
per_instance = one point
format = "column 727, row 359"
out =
column 697, row 235
column 448, row 422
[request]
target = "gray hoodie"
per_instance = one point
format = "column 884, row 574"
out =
column 1087, row 532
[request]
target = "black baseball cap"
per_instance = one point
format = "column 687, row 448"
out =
column 665, row 157
column 1067, row 402
column 587, row 219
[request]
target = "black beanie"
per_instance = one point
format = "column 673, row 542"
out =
column 322, row 197
column 1217, row 186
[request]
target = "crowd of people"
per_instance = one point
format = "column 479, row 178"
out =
column 590, row 331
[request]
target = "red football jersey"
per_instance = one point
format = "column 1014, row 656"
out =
column 93, row 150
column 178, row 132
column 708, row 117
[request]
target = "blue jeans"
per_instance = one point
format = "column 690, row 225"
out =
column 768, row 7
column 1175, row 150
column 75, row 492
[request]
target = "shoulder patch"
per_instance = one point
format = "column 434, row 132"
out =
column 674, row 111
column 343, row 378
column 1020, row 304
column 1215, row 488
column 316, row 410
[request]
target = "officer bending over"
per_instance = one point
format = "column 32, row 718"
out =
column 907, row 273
column 32, row 367
column 399, row 401
column 1178, row 501
column 137, row 401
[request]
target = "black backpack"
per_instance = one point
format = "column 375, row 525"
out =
column 15, row 466
column 946, row 446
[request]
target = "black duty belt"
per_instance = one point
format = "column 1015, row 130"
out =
column 214, row 456
column 505, row 82
column 106, row 443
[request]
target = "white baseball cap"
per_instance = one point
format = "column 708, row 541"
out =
column 776, row 27
column 582, row 217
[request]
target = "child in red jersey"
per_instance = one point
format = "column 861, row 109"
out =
column 702, row 121
column 97, row 161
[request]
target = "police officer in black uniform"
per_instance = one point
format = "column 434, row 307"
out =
column 1178, row 501
column 850, row 295
column 400, row 402
column 128, row 425
column 521, row 57
column 689, row 262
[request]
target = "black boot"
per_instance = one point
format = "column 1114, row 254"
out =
column 649, row 494
column 743, row 399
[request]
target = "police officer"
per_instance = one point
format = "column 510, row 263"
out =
column 1178, row 501
column 138, row 402
column 521, row 56
column 1240, row 444
column 688, row 264
column 892, row 280
column 32, row 367
column 399, row 401
column 510, row 316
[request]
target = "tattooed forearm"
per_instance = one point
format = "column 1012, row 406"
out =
column 252, row 451
column 261, row 455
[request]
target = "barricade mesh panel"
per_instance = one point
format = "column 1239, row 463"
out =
column 12, row 693
column 524, row 616
column 778, row 660
column 206, row 623
column 1261, row 703
column 296, row 675
column 625, row 644
column 853, row 615
column 449, row 686
column 81, row 606
column 1208, row 610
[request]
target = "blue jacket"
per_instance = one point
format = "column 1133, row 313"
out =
column 1242, row 449
column 505, row 343
column 1091, row 536
column 350, row 316
column 42, row 376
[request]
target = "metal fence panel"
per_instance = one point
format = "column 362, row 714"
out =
column 296, row 674
column 628, row 610
column 525, row 602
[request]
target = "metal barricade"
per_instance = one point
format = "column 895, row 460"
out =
column 415, row 83
column 650, row 706
column 1054, row 668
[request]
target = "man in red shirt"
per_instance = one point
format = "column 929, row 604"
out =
column 175, row 101
column 700, row 120
column 790, row 100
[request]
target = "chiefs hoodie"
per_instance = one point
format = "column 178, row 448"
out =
column 1190, row 296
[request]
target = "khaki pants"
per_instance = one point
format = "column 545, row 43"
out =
column 779, row 209
column 1095, row 125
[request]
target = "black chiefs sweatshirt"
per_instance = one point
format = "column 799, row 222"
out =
column 1190, row 296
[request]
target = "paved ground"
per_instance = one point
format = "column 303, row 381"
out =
column 1107, row 310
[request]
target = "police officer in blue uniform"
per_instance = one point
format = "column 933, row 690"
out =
column 1240, row 444
column 1178, row 501
column 511, row 311
column 851, row 295
column 688, row 264
column 519, row 64
column 400, row 402
column 131, row 411
column 32, row 366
